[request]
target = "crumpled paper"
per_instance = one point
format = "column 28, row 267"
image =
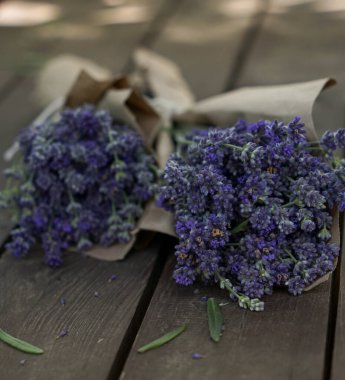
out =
column 164, row 80
column 126, row 105
column 130, row 107
column 173, row 101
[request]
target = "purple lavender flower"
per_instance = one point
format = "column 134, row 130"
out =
column 328, row 141
column 83, row 180
column 340, row 138
column 196, row 356
column 252, row 207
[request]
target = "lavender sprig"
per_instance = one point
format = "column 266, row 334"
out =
column 253, row 304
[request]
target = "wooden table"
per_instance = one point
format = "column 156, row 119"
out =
column 220, row 45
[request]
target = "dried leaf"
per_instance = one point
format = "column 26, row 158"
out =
column 241, row 227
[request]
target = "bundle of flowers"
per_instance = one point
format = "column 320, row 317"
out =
column 253, row 207
column 78, row 181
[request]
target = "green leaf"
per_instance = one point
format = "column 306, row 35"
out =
column 241, row 227
column 163, row 339
column 215, row 319
column 19, row 344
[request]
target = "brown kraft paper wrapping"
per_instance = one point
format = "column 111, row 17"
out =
column 129, row 106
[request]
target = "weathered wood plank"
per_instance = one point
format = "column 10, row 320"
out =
column 299, row 42
column 106, row 35
column 4, row 78
column 292, row 48
column 337, row 362
column 289, row 339
column 279, row 343
column 30, row 307
column 203, row 38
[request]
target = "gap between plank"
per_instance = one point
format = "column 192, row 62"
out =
column 3, row 245
column 247, row 44
column 333, row 309
column 148, row 39
column 158, row 23
column 162, row 16
column 248, row 41
column 160, row 20
column 144, row 303
column 134, row 326
column 131, row 333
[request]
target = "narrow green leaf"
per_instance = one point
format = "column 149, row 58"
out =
column 163, row 339
column 19, row 344
column 215, row 319
column 241, row 227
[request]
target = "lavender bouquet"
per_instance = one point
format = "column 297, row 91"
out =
column 253, row 207
column 78, row 181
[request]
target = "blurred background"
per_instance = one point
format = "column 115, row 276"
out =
column 219, row 44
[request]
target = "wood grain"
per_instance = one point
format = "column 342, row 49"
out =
column 337, row 362
column 30, row 307
column 283, row 342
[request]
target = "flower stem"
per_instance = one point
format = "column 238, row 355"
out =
column 155, row 170
column 314, row 148
column 253, row 304
column 292, row 257
column 233, row 146
column 181, row 140
column 294, row 202
column 227, row 285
